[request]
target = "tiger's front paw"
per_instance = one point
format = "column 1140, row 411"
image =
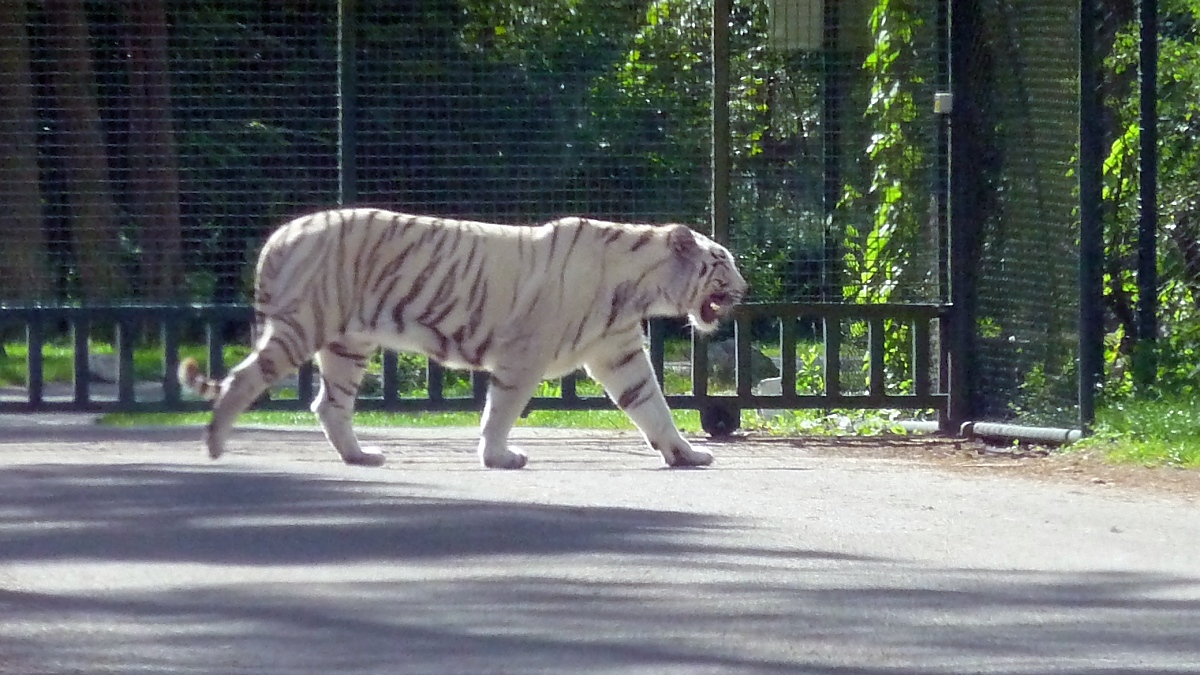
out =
column 682, row 454
column 502, row 458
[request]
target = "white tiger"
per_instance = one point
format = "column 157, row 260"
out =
column 523, row 303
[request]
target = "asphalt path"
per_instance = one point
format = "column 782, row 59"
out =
column 131, row 552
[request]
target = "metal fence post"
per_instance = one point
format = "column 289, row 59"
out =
column 1145, row 367
column 347, row 110
column 720, row 121
column 1091, row 224
column 965, row 218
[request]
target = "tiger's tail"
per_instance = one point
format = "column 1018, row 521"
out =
column 194, row 379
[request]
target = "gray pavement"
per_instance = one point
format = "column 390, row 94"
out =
column 127, row 551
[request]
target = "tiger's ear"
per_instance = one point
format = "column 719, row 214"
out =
column 682, row 242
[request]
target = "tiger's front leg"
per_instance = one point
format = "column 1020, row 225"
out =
column 508, row 392
column 629, row 380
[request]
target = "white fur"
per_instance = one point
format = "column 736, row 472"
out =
column 524, row 304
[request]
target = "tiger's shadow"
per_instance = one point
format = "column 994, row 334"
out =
column 165, row 513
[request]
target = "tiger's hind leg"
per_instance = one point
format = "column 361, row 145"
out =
column 508, row 392
column 342, row 364
column 629, row 380
column 270, row 360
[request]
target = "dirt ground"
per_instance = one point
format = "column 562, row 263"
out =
column 1033, row 462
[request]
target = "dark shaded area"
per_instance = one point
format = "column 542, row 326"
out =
column 150, row 512
column 522, row 587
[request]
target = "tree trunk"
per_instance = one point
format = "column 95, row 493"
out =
column 93, row 222
column 154, row 176
column 23, row 273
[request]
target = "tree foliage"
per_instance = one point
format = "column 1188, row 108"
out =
column 1178, row 200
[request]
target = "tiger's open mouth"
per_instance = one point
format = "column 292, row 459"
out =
column 715, row 306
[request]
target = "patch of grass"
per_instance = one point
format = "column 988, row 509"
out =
column 826, row 422
column 688, row 420
column 57, row 364
column 1161, row 432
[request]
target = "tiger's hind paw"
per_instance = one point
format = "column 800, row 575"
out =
column 505, row 458
column 365, row 457
column 215, row 444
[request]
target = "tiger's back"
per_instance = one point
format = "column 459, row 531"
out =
column 465, row 293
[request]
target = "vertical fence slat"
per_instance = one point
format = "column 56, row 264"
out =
column 304, row 383
column 833, row 356
column 875, row 353
column 436, row 382
column 744, row 378
column 80, row 328
column 126, row 334
column 920, row 357
column 787, row 356
column 658, row 349
column 216, row 349
column 479, row 386
column 391, row 378
column 170, row 340
column 944, row 380
column 699, row 365
column 33, row 363
column 568, row 386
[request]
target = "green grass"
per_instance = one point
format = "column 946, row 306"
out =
column 826, row 422
column 789, row 423
column 56, row 358
column 1162, row 432
column 688, row 420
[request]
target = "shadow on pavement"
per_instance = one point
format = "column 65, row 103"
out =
column 149, row 512
column 460, row 586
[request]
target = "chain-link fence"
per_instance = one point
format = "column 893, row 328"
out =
column 162, row 141
column 1021, row 85
column 151, row 146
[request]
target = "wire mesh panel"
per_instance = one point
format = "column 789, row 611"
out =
column 149, row 147
column 837, row 165
column 257, row 114
column 523, row 112
column 834, row 149
column 1028, row 292
column 160, row 141
column 519, row 113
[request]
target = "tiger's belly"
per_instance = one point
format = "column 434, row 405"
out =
column 448, row 350
column 472, row 353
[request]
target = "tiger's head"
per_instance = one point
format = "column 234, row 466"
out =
column 710, row 282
